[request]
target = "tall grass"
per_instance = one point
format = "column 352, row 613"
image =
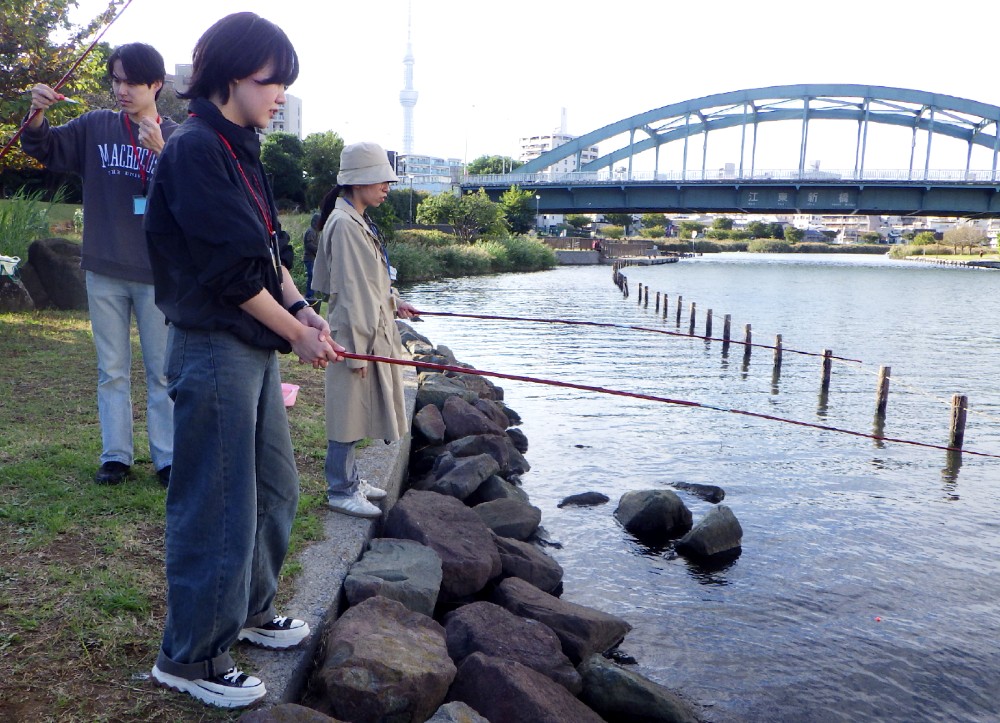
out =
column 420, row 256
column 23, row 218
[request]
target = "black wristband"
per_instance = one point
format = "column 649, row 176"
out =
column 297, row 306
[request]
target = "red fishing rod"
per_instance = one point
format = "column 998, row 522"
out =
column 622, row 326
column 62, row 81
column 647, row 397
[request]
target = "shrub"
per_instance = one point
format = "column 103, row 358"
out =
column 414, row 262
column 615, row 232
column 23, row 219
column 768, row 246
column 464, row 260
column 527, row 254
column 499, row 258
column 427, row 237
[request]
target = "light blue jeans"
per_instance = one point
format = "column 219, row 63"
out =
column 112, row 303
column 232, row 498
column 340, row 468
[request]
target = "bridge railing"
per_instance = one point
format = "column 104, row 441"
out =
column 722, row 176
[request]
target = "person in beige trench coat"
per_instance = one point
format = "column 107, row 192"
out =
column 363, row 399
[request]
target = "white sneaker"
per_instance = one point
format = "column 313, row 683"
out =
column 282, row 632
column 232, row 689
column 355, row 505
column 371, row 491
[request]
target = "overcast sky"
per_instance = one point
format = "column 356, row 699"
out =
column 488, row 73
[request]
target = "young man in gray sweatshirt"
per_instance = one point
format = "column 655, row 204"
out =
column 115, row 153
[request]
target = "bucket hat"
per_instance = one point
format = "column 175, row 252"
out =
column 364, row 163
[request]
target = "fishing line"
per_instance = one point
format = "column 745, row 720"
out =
column 62, row 81
column 625, row 326
column 650, row 398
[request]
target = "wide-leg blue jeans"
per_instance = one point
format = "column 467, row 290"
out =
column 232, row 498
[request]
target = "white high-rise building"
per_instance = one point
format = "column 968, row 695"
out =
column 408, row 96
column 534, row 146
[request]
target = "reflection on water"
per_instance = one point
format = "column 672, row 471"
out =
column 838, row 530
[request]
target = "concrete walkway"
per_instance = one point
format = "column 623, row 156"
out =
column 318, row 592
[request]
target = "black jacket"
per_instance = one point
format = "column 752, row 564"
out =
column 209, row 245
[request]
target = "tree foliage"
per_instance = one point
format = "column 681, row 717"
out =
column 793, row 234
column 405, row 202
column 322, row 163
column 965, row 237
column 485, row 165
column 471, row 215
column 723, row 222
column 39, row 44
column 283, row 156
column 518, row 209
column 579, row 221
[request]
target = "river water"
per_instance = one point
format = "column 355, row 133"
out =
column 868, row 583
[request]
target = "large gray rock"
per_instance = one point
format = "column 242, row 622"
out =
column 459, row 478
column 584, row 499
column 653, row 513
column 429, row 423
column 519, row 438
column 492, row 410
column 709, row 493
column 477, row 383
column 469, row 557
column 508, row 692
column 55, row 267
column 496, row 488
column 435, row 388
column 526, row 561
column 407, row 333
column 456, row 712
column 719, row 532
column 510, row 518
column 461, row 419
column 483, row 627
column 621, row 696
column 582, row 631
column 498, row 446
column 384, row 662
column 401, row 570
column 286, row 713
column 13, row 295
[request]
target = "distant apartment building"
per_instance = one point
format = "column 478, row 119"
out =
column 534, row 146
column 427, row 173
column 287, row 120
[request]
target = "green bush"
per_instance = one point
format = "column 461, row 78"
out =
column 769, row 246
column 615, row 232
column 415, row 262
column 23, row 218
column 499, row 258
column 528, row 254
column 464, row 260
column 427, row 237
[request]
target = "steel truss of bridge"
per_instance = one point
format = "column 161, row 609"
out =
column 604, row 185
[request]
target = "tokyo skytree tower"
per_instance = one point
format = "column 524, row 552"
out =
column 408, row 96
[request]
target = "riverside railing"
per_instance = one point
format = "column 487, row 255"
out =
column 717, row 176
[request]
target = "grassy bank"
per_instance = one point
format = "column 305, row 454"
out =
column 771, row 245
column 81, row 566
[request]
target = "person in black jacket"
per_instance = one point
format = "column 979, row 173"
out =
column 221, row 271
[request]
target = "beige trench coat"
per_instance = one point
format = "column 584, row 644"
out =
column 362, row 309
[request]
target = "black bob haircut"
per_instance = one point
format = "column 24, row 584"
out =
column 142, row 64
column 236, row 47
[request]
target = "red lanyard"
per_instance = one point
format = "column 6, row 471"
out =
column 135, row 151
column 265, row 211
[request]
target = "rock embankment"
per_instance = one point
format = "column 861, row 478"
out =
column 454, row 612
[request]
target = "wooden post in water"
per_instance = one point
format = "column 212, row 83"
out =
column 680, row 305
column 640, row 294
column 726, row 320
column 708, row 324
column 827, row 366
column 691, row 323
column 646, row 305
column 657, row 301
column 959, row 408
column 664, row 305
column 747, row 341
column 777, row 351
column 882, row 391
